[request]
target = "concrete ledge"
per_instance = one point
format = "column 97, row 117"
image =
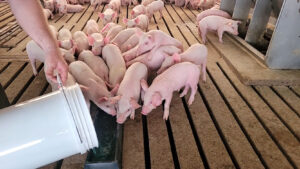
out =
column 247, row 64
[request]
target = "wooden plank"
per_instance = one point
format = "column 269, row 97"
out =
column 74, row 162
column 186, row 147
column 50, row 166
column 287, row 116
column 8, row 20
column 3, row 64
column 262, row 142
column 35, row 88
column 160, row 150
column 12, row 70
column 296, row 89
column 291, row 98
column 48, row 90
column 133, row 144
column 284, row 140
column 14, row 90
column 85, row 17
column 6, row 16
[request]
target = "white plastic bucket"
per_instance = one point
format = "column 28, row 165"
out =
column 45, row 129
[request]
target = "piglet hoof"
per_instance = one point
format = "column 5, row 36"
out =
column 132, row 116
column 166, row 117
column 221, row 41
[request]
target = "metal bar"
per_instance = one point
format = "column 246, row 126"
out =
column 3, row 98
column 259, row 21
column 241, row 12
column 284, row 48
column 228, row 6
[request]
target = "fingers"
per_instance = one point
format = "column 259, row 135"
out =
column 49, row 74
column 62, row 69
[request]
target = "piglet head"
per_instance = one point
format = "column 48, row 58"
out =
column 176, row 57
column 232, row 27
column 125, row 108
column 101, row 15
column 137, row 20
column 132, row 12
column 107, row 104
column 125, row 20
column 151, row 99
column 66, row 44
column 146, row 43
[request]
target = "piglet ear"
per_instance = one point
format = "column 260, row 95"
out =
column 176, row 57
column 134, row 103
column 105, row 27
column 91, row 40
column 102, row 99
column 115, row 89
column 156, row 99
column 106, row 40
column 137, row 20
column 72, row 42
column 125, row 20
column 144, row 85
column 132, row 12
column 150, row 38
column 84, row 89
column 238, row 22
column 229, row 23
column 114, row 100
column 101, row 15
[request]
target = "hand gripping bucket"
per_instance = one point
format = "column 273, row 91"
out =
column 46, row 129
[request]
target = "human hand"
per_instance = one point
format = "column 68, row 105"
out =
column 55, row 62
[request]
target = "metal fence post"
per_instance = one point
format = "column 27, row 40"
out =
column 227, row 5
column 259, row 21
column 241, row 12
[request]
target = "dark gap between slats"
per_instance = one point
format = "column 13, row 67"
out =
column 258, row 118
column 9, row 34
column 83, row 13
column 172, row 142
column 297, row 94
column 67, row 20
column 6, row 17
column 87, row 20
column 276, row 113
column 26, row 86
column 283, row 99
column 5, row 67
column 169, row 15
column 44, row 89
column 196, row 137
column 146, row 143
column 14, row 76
column 59, row 164
column 218, row 129
column 19, row 42
column 238, row 122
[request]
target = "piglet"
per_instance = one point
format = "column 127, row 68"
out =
column 158, row 57
column 48, row 14
column 115, row 5
column 130, row 43
column 154, row 7
column 96, row 63
column 196, row 54
column 129, row 2
column 81, row 41
column 130, row 54
column 94, row 87
column 97, row 42
column 154, row 39
column 123, row 35
column 74, row 8
column 68, row 54
column 140, row 21
column 65, row 39
column 138, row 10
column 212, row 12
column 180, row 75
column 91, row 27
column 129, row 90
column 74, row 2
column 219, row 24
column 179, row 3
column 146, row 2
column 53, row 31
column 115, row 62
column 112, row 33
column 206, row 4
column 61, row 6
column 107, row 16
column 107, row 27
column 49, row 4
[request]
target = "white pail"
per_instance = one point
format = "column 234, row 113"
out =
column 45, row 129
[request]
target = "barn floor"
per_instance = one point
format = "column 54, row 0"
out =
column 229, row 125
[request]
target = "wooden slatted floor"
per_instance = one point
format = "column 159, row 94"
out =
column 229, row 125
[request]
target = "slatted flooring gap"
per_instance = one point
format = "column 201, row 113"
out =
column 229, row 125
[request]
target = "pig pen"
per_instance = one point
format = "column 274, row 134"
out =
column 229, row 125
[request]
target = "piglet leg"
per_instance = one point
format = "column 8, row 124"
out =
column 167, row 106
column 220, row 34
column 186, row 89
column 193, row 92
column 203, row 71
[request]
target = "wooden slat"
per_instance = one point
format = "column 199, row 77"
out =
column 279, row 133
column 74, row 162
column 14, row 89
column 35, row 88
column 290, row 97
column 133, row 144
column 48, row 90
column 49, row 166
column 3, row 65
column 160, row 150
column 186, row 147
column 296, row 89
column 10, row 19
column 290, row 118
column 10, row 72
